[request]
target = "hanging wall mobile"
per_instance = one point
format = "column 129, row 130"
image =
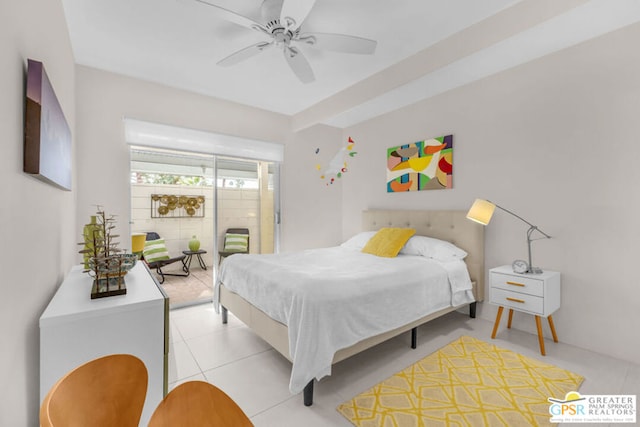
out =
column 338, row 165
column 173, row 206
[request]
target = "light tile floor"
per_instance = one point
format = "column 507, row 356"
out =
column 257, row 377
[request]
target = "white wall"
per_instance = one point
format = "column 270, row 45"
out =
column 556, row 141
column 37, row 221
column 312, row 211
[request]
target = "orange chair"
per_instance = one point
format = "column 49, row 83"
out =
column 197, row 403
column 105, row 392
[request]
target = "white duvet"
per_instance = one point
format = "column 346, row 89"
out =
column 335, row 297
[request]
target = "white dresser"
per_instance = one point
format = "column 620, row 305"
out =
column 75, row 329
column 536, row 294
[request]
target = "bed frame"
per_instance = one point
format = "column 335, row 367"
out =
column 449, row 225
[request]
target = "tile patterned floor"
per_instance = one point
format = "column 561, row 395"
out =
column 257, row 377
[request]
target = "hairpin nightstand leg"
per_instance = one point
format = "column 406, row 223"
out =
column 540, row 338
column 553, row 329
column 495, row 325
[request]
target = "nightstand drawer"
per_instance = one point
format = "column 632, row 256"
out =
column 517, row 301
column 517, row 284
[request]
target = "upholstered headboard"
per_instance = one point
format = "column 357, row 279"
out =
column 449, row 225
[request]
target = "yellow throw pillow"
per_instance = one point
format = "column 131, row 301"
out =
column 387, row 242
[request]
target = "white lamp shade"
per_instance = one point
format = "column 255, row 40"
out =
column 481, row 211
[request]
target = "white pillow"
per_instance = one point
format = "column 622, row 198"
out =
column 359, row 240
column 429, row 247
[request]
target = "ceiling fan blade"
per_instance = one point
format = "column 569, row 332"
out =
column 231, row 16
column 294, row 12
column 244, row 54
column 339, row 43
column 299, row 64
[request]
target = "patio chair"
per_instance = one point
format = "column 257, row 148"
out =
column 156, row 256
column 236, row 241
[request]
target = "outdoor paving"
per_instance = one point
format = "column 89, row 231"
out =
column 182, row 291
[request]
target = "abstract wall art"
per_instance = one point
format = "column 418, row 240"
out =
column 47, row 135
column 422, row 165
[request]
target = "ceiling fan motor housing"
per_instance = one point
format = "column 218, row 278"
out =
column 282, row 34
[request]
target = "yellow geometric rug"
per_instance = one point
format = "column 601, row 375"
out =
column 466, row 383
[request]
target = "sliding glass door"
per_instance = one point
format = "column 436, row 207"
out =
column 246, row 197
column 235, row 193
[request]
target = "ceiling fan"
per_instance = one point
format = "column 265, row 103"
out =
column 282, row 20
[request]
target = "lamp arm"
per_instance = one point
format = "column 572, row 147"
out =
column 532, row 227
column 532, row 269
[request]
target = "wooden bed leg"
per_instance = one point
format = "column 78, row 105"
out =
column 307, row 394
column 414, row 338
column 472, row 309
column 225, row 317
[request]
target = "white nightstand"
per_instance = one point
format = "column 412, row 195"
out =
column 537, row 294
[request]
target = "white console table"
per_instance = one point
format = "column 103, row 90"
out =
column 75, row 329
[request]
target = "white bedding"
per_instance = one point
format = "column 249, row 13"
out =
column 335, row 297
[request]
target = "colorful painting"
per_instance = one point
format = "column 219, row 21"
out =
column 423, row 165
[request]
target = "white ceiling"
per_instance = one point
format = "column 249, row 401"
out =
column 425, row 47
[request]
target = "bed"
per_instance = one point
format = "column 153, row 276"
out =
column 314, row 338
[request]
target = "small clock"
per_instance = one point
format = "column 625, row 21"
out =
column 520, row 266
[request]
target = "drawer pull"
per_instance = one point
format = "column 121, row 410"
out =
column 515, row 300
column 515, row 284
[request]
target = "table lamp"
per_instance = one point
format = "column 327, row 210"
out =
column 482, row 210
